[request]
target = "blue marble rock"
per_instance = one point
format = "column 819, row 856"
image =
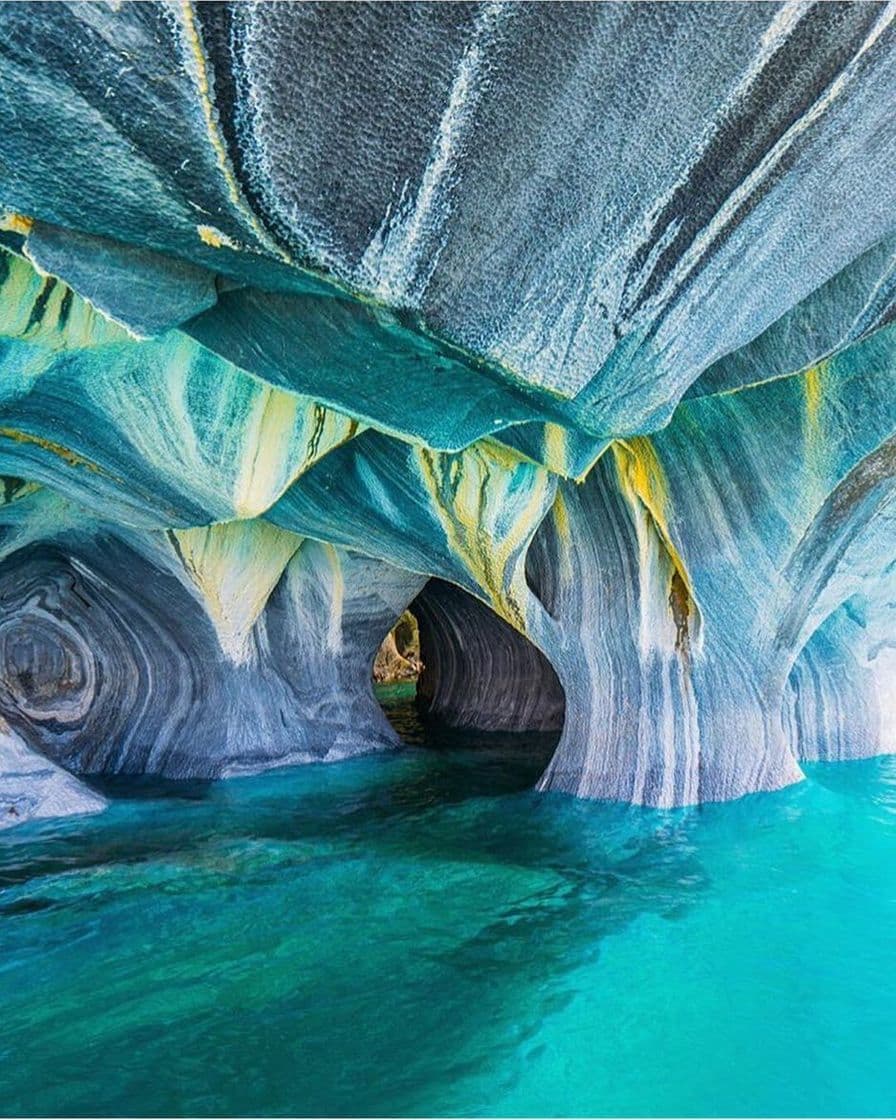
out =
column 573, row 324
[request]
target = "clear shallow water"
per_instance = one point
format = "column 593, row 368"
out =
column 417, row 934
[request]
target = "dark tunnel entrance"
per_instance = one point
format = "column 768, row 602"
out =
column 453, row 676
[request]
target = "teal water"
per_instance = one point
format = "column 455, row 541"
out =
column 418, row 934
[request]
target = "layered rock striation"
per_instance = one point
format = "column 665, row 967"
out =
column 573, row 323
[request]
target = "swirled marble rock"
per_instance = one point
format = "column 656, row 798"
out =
column 157, row 432
column 676, row 588
column 192, row 653
column 584, row 310
column 421, row 155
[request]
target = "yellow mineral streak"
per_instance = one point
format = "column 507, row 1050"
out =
column 284, row 436
column 203, row 85
column 488, row 500
column 269, row 433
column 643, row 477
column 813, row 386
column 643, row 481
column 556, row 449
column 16, row 223
column 65, row 453
column 817, row 446
column 560, row 515
column 39, row 308
column 235, row 565
column 216, row 238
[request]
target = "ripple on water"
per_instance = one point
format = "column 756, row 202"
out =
column 420, row 934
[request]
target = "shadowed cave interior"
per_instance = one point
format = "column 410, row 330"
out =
column 451, row 665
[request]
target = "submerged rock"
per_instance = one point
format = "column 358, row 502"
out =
column 586, row 310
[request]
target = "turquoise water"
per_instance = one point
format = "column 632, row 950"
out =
column 418, row 934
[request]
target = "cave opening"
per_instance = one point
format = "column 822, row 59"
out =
column 453, row 676
column 397, row 664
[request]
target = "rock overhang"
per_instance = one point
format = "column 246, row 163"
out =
column 446, row 323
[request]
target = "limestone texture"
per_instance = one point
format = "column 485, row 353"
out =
column 572, row 325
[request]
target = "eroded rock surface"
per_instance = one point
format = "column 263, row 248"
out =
column 584, row 310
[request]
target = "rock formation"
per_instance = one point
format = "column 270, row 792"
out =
column 584, row 313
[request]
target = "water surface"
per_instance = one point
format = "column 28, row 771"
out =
column 419, row 934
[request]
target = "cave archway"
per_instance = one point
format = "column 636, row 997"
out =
column 478, row 672
column 480, row 682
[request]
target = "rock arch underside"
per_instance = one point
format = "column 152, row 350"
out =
column 585, row 312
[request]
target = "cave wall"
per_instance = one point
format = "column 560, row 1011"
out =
column 187, row 653
column 302, row 306
column 478, row 672
column 684, row 578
